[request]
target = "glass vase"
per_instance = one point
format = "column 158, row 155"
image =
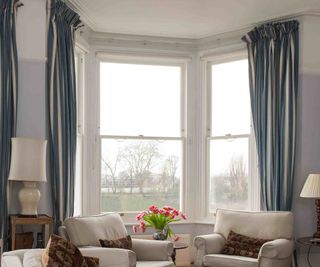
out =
column 160, row 234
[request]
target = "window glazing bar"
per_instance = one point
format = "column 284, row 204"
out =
column 229, row 136
column 140, row 137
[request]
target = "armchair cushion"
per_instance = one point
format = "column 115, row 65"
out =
column 220, row 260
column 275, row 224
column 155, row 264
column 152, row 250
column 277, row 249
column 86, row 231
column 242, row 245
column 61, row 252
column 111, row 256
column 125, row 243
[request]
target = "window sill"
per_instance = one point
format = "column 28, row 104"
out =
column 210, row 223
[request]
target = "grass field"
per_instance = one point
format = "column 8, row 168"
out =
column 136, row 202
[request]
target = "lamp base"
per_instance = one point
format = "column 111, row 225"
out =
column 317, row 234
column 29, row 197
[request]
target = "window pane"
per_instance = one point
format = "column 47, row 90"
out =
column 229, row 174
column 140, row 99
column 230, row 98
column 138, row 173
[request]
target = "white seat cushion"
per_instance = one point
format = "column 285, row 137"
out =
column 86, row 231
column 111, row 256
column 221, row 260
column 32, row 258
column 155, row 264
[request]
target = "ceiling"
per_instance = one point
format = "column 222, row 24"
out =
column 184, row 18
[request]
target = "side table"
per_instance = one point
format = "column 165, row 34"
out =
column 176, row 246
column 41, row 219
column 306, row 241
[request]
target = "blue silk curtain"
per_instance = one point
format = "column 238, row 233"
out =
column 8, row 102
column 273, row 51
column 61, row 103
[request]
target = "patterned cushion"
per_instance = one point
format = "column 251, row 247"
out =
column 125, row 243
column 242, row 245
column 91, row 261
column 60, row 252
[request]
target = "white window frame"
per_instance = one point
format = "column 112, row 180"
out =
column 253, row 183
column 80, row 83
column 182, row 62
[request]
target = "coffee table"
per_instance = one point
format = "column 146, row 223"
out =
column 176, row 246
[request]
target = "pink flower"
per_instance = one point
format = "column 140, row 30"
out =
column 172, row 216
column 162, row 211
column 143, row 227
column 168, row 208
column 177, row 238
column 184, row 216
column 134, row 228
column 140, row 215
column 167, row 214
column 175, row 212
column 153, row 207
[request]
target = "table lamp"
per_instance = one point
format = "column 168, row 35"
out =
column 28, row 164
column 311, row 189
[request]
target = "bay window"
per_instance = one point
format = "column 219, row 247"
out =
column 138, row 151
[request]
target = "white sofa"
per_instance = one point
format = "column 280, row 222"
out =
column 107, row 258
column 85, row 232
column 32, row 257
column 277, row 226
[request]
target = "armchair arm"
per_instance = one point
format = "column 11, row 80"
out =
column 111, row 257
column 152, row 250
column 277, row 249
column 207, row 244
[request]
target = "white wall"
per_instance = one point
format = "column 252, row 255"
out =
column 308, row 130
column 31, row 30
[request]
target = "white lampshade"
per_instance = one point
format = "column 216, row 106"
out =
column 28, row 160
column 311, row 188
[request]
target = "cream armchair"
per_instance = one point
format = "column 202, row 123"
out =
column 277, row 226
column 85, row 232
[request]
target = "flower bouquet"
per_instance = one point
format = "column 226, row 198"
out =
column 159, row 219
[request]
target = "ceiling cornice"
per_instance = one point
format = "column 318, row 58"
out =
column 97, row 38
column 83, row 12
column 283, row 17
column 232, row 36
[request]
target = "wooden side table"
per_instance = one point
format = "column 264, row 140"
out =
column 41, row 219
column 176, row 246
